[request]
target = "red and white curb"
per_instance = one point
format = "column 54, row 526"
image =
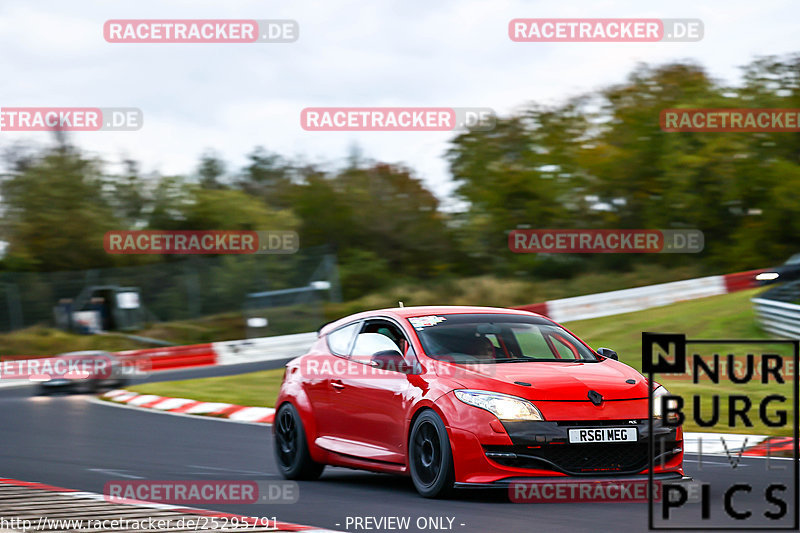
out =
column 239, row 413
column 733, row 443
column 694, row 443
column 44, row 505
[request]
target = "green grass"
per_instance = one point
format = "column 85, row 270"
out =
column 728, row 316
column 255, row 389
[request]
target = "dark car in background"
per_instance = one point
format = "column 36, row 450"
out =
column 85, row 371
column 789, row 271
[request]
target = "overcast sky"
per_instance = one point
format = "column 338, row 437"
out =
column 231, row 97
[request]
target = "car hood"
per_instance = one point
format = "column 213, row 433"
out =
column 552, row 381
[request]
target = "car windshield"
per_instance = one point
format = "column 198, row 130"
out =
column 497, row 338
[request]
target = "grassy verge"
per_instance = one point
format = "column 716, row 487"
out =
column 497, row 292
column 256, row 389
column 728, row 316
column 40, row 341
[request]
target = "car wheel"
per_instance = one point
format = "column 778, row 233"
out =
column 430, row 457
column 291, row 448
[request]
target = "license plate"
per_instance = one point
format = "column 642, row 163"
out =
column 603, row 435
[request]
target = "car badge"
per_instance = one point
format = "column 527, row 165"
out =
column 595, row 397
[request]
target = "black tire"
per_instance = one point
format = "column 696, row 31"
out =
column 291, row 448
column 430, row 457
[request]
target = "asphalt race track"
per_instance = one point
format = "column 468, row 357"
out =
column 70, row 441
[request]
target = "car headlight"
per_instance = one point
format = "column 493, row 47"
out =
column 502, row 406
column 658, row 411
column 767, row 276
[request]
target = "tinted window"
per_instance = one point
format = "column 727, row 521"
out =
column 497, row 338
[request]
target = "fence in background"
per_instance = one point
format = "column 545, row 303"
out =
column 184, row 289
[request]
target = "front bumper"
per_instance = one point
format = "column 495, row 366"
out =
column 671, row 477
column 542, row 450
column 546, row 445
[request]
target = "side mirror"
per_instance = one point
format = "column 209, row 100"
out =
column 608, row 352
column 391, row 360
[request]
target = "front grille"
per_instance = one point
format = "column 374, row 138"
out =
column 599, row 423
column 578, row 459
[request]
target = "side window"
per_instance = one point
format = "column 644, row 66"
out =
column 369, row 344
column 381, row 336
column 339, row 341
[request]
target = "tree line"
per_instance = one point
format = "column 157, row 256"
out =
column 597, row 160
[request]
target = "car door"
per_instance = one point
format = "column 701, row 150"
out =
column 319, row 370
column 371, row 403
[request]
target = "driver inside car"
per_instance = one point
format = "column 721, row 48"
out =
column 484, row 349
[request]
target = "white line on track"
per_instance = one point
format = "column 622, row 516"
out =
column 234, row 471
column 114, row 473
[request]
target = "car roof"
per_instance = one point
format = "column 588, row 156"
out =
column 425, row 310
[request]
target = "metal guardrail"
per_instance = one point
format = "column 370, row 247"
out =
column 780, row 318
column 777, row 311
column 263, row 349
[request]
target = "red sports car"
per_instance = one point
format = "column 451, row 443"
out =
column 460, row 397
